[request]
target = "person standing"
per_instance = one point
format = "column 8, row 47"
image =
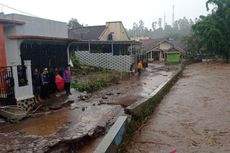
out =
column 36, row 79
column 139, row 69
column 132, row 70
column 45, row 84
column 67, row 79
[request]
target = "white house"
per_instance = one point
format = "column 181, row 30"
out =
column 106, row 46
column 25, row 42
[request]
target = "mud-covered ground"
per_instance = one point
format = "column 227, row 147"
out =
column 193, row 117
column 60, row 127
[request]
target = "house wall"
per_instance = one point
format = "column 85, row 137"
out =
column 33, row 26
column 119, row 32
column 105, row 60
column 38, row 26
column 12, row 47
column 2, row 48
column 165, row 46
column 23, row 92
column 173, row 57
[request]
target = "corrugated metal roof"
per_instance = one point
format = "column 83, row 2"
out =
column 86, row 33
column 40, row 38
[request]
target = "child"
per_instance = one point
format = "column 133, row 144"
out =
column 139, row 69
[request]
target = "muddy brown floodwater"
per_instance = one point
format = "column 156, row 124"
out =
column 193, row 117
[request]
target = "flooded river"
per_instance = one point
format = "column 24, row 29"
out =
column 193, row 117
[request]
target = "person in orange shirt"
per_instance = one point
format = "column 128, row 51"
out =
column 139, row 69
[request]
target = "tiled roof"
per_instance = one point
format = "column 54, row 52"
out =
column 149, row 44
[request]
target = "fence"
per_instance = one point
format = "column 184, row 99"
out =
column 106, row 60
column 7, row 95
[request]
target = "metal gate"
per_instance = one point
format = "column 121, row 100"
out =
column 7, row 96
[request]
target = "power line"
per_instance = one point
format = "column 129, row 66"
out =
column 4, row 5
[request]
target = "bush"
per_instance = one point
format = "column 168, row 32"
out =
column 75, row 60
column 94, row 85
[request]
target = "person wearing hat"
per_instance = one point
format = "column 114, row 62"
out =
column 45, row 84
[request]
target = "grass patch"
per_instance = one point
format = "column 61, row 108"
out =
column 104, row 80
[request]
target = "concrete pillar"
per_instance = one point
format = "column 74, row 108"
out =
column 23, row 92
column 112, row 48
column 89, row 47
column 2, row 47
column 68, row 56
column 29, row 77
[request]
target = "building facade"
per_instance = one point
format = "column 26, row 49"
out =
column 107, row 46
column 24, row 39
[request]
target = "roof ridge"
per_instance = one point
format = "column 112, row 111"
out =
column 89, row 26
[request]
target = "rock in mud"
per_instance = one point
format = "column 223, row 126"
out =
column 2, row 121
column 84, row 96
column 104, row 97
column 109, row 94
column 55, row 107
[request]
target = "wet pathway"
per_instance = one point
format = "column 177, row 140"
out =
column 193, row 117
column 65, row 129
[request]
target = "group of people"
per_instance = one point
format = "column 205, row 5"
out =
column 45, row 82
column 139, row 68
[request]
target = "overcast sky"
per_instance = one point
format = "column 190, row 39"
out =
column 97, row 12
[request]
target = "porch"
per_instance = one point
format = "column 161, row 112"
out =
column 114, row 55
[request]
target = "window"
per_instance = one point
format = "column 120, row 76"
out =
column 80, row 47
column 100, row 48
column 22, row 77
column 121, row 49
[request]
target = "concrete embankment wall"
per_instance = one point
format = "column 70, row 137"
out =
column 137, row 114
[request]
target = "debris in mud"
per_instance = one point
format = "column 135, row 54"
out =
column 109, row 94
column 100, row 102
column 104, row 97
column 2, row 120
column 45, row 109
column 83, row 108
column 84, row 96
column 67, row 103
column 55, row 107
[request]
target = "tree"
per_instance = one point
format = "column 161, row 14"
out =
column 73, row 23
column 160, row 22
column 212, row 32
column 182, row 27
column 154, row 24
column 141, row 27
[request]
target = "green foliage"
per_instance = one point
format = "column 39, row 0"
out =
column 97, row 84
column 181, row 27
column 75, row 60
column 211, row 34
column 73, row 23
